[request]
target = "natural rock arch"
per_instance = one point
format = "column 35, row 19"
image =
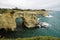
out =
column 7, row 20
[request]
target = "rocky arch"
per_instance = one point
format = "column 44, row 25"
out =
column 7, row 20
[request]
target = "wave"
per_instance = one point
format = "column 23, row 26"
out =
column 44, row 24
column 38, row 18
column 49, row 16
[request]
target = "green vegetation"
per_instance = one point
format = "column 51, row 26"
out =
column 33, row 38
column 39, row 38
column 43, row 10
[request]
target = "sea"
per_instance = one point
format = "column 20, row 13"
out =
column 53, row 27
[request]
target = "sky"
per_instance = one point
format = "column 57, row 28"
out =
column 31, row 4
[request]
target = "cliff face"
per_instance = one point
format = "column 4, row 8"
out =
column 43, row 13
column 7, row 21
column 29, row 20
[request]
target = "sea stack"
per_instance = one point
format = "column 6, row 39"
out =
column 30, row 21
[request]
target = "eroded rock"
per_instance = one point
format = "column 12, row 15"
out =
column 7, row 21
column 30, row 21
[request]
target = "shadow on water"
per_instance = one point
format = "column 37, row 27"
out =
column 18, row 33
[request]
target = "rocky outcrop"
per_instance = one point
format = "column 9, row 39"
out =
column 7, row 21
column 43, row 13
column 30, row 21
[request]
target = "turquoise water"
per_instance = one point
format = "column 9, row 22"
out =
column 52, row 30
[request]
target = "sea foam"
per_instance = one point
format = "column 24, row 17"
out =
column 38, row 18
column 49, row 16
column 44, row 23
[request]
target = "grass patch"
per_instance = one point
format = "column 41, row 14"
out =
column 33, row 38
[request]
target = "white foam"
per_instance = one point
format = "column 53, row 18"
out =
column 39, row 25
column 49, row 16
column 38, row 18
column 45, row 23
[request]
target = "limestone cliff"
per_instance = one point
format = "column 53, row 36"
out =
column 43, row 13
column 30, row 21
column 7, row 21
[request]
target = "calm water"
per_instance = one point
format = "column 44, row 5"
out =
column 53, row 29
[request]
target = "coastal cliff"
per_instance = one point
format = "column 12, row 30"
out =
column 30, row 20
column 7, row 21
column 44, row 13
